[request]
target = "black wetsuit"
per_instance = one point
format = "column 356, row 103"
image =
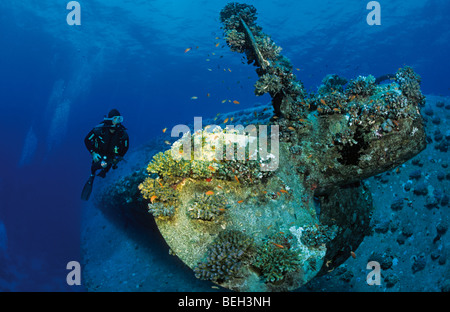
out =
column 112, row 145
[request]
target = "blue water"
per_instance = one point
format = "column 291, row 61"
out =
column 58, row 81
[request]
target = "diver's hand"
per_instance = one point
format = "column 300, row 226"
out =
column 95, row 157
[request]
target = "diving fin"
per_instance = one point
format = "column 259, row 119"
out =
column 87, row 189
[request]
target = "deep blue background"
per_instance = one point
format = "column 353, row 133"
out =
column 58, row 81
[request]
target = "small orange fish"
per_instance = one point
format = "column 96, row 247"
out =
column 284, row 191
column 152, row 199
column 240, row 201
column 336, row 109
column 208, row 95
column 236, row 178
column 278, row 193
column 297, row 69
column 323, row 102
column 229, row 70
column 291, row 128
column 319, row 110
column 222, row 209
column 353, row 254
column 226, row 120
column 265, row 192
column 208, row 179
column 236, row 102
column 310, row 156
column 217, row 44
column 164, row 130
column 194, row 97
column 187, row 50
column 220, row 187
column 224, row 101
column 211, row 168
column 278, row 245
column 269, row 226
column 209, row 193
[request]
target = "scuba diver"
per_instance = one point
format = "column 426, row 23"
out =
column 108, row 142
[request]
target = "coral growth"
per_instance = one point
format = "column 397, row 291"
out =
column 332, row 82
column 268, row 84
column 268, row 48
column 161, row 210
column 207, row 207
column 409, row 83
column 361, row 86
column 214, row 162
column 318, row 235
column 231, row 16
column 156, row 190
column 165, row 166
column 275, row 258
column 373, row 109
column 276, row 77
column 225, row 256
column 232, row 13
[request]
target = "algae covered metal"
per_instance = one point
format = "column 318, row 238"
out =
column 270, row 206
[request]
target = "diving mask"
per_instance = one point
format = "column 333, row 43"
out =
column 115, row 119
